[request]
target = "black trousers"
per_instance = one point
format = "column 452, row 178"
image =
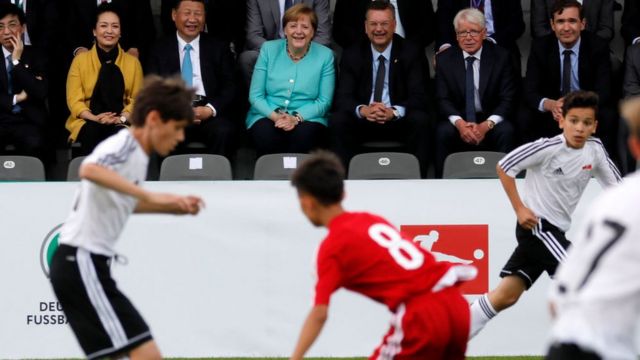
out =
column 500, row 138
column 25, row 136
column 268, row 139
column 218, row 134
column 92, row 133
column 570, row 352
column 348, row 132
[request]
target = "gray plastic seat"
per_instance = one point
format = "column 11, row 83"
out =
column 384, row 165
column 21, row 168
column 472, row 165
column 195, row 167
column 277, row 166
column 74, row 168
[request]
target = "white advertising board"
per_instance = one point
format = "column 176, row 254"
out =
column 237, row 280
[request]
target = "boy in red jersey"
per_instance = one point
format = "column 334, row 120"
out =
column 366, row 254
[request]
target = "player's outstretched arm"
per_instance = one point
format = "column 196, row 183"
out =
column 147, row 201
column 310, row 330
column 526, row 218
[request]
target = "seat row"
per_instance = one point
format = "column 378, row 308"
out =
column 205, row 167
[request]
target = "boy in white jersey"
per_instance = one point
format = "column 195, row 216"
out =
column 104, row 321
column 558, row 171
column 596, row 295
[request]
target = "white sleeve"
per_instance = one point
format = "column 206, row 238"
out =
column 524, row 157
column 606, row 171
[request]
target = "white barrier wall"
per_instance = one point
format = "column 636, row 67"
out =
column 237, row 279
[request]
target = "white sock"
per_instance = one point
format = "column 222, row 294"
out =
column 481, row 313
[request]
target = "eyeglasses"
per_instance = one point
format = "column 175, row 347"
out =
column 473, row 33
column 384, row 25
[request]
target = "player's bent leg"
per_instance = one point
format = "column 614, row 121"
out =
column 489, row 305
column 146, row 351
column 569, row 352
column 507, row 293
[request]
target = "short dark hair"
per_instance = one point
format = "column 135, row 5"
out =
column 321, row 176
column 169, row 96
column 297, row 10
column 560, row 5
column 380, row 5
column 177, row 3
column 580, row 99
column 12, row 9
column 105, row 8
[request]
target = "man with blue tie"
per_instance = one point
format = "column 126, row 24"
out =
column 381, row 90
column 475, row 91
column 569, row 59
column 206, row 66
column 23, row 87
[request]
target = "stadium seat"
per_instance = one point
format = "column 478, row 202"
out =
column 21, row 168
column 472, row 165
column 195, row 167
column 384, row 165
column 277, row 166
column 73, row 169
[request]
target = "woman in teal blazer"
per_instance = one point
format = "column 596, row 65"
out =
column 291, row 88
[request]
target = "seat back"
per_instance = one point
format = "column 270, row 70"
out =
column 195, row 167
column 384, row 165
column 74, row 168
column 472, row 165
column 21, row 168
column 277, row 166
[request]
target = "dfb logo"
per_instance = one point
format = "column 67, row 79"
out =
column 464, row 244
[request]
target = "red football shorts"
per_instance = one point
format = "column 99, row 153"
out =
column 429, row 326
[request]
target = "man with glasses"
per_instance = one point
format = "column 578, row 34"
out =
column 475, row 92
column 381, row 90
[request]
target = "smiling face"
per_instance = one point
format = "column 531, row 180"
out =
column 567, row 26
column 470, row 36
column 189, row 18
column 107, row 31
column 299, row 32
column 380, row 26
column 577, row 125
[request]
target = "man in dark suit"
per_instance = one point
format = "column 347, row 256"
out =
column 414, row 18
column 630, row 25
column 475, row 92
column 569, row 59
column 381, row 99
column 505, row 23
column 136, row 21
column 206, row 65
column 264, row 23
column 23, row 87
column 598, row 16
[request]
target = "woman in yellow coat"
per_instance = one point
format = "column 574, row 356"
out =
column 101, row 85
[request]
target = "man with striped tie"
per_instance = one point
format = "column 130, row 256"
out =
column 558, row 171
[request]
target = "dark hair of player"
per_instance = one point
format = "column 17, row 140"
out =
column 169, row 96
column 321, row 176
column 580, row 99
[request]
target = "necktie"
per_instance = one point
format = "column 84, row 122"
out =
column 16, row 108
column 469, row 91
column 287, row 4
column 478, row 4
column 187, row 67
column 379, row 84
column 566, row 72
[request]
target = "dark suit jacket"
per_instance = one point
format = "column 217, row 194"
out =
column 497, row 86
column 598, row 14
column 407, row 76
column 507, row 20
column 136, row 22
column 631, row 84
column 417, row 19
column 630, row 28
column 544, row 71
column 23, row 77
column 215, row 67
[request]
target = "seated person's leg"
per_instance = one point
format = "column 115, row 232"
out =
column 306, row 136
column 268, row 139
